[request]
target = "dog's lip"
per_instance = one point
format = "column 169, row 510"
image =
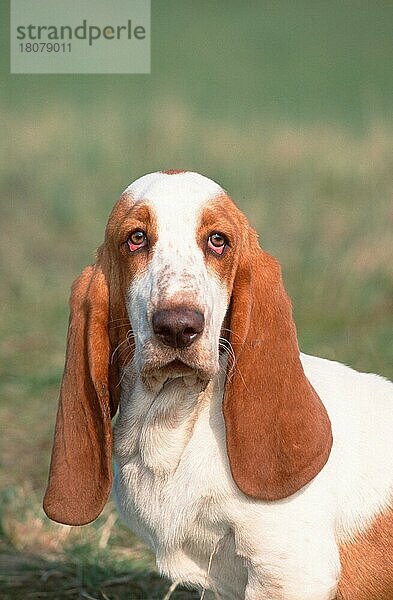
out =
column 178, row 365
column 175, row 369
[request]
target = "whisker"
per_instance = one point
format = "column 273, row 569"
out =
column 125, row 319
column 127, row 351
column 227, row 346
column 127, row 340
column 231, row 332
column 236, row 367
column 227, row 369
column 227, row 351
column 121, row 378
column 131, row 345
column 119, row 325
column 225, row 341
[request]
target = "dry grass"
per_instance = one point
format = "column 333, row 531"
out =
column 40, row 559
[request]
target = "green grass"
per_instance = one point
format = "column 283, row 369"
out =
column 289, row 107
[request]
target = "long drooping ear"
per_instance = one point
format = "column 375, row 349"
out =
column 80, row 476
column 278, row 432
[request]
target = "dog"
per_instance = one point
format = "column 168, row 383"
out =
column 252, row 470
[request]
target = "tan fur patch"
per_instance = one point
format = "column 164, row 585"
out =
column 173, row 171
column 367, row 562
column 221, row 215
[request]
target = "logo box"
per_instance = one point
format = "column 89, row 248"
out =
column 67, row 36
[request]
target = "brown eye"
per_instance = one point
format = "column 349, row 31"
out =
column 217, row 242
column 137, row 239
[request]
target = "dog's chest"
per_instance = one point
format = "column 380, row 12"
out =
column 168, row 511
column 185, row 527
column 172, row 489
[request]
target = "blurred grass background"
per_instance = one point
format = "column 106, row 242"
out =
column 289, row 106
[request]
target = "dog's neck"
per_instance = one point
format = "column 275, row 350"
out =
column 155, row 424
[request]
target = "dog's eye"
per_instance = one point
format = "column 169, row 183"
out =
column 137, row 239
column 217, row 242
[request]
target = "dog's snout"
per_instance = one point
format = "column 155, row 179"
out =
column 178, row 327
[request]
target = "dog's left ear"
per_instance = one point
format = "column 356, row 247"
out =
column 278, row 432
column 80, row 476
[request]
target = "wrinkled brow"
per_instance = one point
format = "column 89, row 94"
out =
column 220, row 215
column 140, row 215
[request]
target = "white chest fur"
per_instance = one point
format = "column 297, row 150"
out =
column 166, row 493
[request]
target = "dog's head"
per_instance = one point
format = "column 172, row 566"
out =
column 175, row 239
column 179, row 277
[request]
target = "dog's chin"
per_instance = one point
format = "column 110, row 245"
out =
column 155, row 377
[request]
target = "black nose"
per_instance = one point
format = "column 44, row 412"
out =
column 178, row 327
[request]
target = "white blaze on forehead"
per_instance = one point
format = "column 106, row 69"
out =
column 187, row 188
column 177, row 201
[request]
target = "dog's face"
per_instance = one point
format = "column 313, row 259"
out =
column 177, row 246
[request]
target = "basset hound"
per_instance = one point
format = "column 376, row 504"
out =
column 253, row 471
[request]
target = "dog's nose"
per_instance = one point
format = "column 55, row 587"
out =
column 178, row 327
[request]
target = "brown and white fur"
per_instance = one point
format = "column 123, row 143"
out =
column 249, row 468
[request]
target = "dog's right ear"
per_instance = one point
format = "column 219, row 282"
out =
column 277, row 429
column 80, row 476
